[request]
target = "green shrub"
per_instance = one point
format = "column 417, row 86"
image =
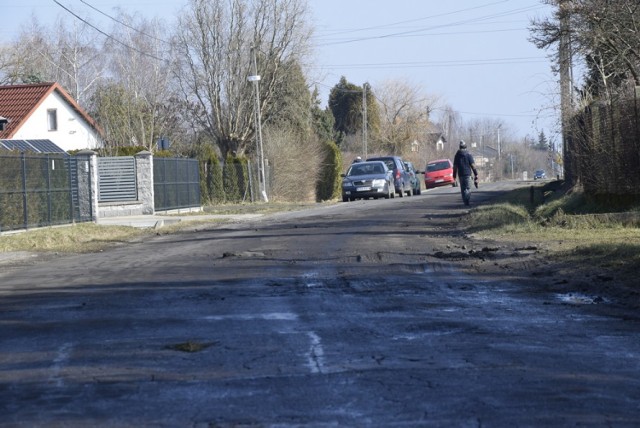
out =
column 328, row 186
column 230, row 180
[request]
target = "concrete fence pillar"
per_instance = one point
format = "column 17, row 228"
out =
column 87, row 163
column 144, row 176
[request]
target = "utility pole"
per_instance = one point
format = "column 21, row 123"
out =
column 565, row 68
column 364, row 120
column 255, row 78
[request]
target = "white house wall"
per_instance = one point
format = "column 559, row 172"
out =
column 73, row 132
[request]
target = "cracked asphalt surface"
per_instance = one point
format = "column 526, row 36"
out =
column 359, row 314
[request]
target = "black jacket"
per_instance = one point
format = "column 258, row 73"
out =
column 463, row 164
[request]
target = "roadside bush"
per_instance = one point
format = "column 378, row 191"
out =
column 294, row 164
column 215, row 184
column 329, row 183
column 211, row 184
column 120, row 151
column 230, row 180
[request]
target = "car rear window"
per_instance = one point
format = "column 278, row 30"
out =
column 391, row 164
column 438, row 166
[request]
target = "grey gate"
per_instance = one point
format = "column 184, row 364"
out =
column 117, row 179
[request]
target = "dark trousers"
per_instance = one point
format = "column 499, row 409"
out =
column 465, row 188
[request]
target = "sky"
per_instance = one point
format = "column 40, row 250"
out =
column 472, row 55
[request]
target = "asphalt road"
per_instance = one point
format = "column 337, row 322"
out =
column 339, row 316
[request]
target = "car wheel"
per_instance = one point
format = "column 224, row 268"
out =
column 419, row 191
column 345, row 199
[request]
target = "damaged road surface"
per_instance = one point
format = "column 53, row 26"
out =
column 348, row 315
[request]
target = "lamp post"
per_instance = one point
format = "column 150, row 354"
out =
column 499, row 145
column 255, row 78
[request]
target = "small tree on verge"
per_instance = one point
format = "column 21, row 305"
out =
column 329, row 183
column 230, row 180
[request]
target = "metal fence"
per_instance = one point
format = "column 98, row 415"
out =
column 38, row 190
column 176, row 183
column 117, row 179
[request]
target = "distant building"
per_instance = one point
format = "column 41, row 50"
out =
column 45, row 111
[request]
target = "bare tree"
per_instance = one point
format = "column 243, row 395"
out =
column 603, row 35
column 133, row 102
column 219, row 43
column 404, row 115
column 68, row 53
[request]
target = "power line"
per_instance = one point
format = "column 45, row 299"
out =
column 453, row 63
column 419, row 19
column 452, row 24
column 109, row 36
column 124, row 23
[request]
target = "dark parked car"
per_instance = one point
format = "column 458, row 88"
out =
column 367, row 180
column 401, row 177
column 415, row 180
column 439, row 173
column 539, row 174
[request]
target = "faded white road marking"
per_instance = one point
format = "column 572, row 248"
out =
column 315, row 356
column 58, row 364
column 275, row 316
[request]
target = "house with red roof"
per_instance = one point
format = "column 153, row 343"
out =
column 45, row 111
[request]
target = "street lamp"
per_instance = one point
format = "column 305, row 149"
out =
column 499, row 145
column 255, row 78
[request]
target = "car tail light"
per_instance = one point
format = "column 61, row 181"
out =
column 398, row 174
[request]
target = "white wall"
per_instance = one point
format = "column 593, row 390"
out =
column 73, row 132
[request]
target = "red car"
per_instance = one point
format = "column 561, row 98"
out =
column 439, row 173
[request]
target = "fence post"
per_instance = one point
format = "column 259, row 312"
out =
column 25, row 208
column 87, row 164
column 144, row 176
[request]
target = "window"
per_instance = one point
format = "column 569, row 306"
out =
column 52, row 119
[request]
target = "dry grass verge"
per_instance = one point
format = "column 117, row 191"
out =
column 82, row 237
column 570, row 240
column 91, row 237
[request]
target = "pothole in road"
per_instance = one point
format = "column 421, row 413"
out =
column 245, row 254
column 580, row 299
column 190, row 346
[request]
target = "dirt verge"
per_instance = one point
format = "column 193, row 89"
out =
column 537, row 266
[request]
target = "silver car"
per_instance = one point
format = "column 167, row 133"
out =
column 367, row 180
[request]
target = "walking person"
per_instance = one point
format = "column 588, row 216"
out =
column 463, row 167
